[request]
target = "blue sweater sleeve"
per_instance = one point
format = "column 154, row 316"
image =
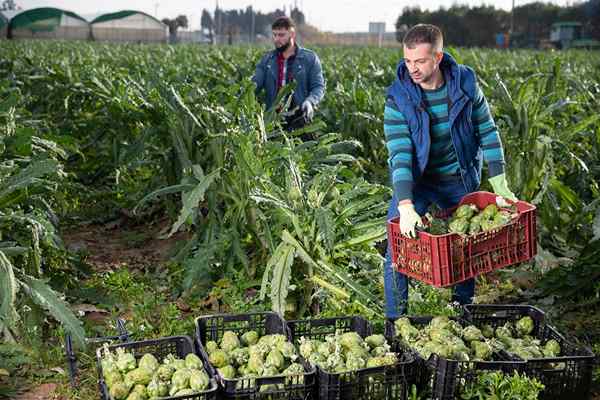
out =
column 486, row 130
column 400, row 150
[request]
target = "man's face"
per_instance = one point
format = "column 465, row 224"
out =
column 422, row 62
column 283, row 38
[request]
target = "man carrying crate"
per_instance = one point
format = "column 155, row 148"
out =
column 438, row 132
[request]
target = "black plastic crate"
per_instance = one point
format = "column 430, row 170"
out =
column 179, row 346
column 73, row 357
column 212, row 327
column 388, row 382
column 443, row 378
column 568, row 376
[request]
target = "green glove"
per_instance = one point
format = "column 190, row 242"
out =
column 500, row 187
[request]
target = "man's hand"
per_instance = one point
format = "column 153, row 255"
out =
column 308, row 110
column 500, row 187
column 409, row 219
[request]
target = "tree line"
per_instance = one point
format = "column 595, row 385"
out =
column 478, row 26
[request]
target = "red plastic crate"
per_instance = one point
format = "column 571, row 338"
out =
column 444, row 260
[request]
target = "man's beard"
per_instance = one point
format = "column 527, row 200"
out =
column 284, row 47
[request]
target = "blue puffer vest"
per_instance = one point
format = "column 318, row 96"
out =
column 462, row 85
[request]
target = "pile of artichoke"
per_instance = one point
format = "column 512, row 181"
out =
column 469, row 220
column 348, row 351
column 146, row 378
column 251, row 356
column 448, row 339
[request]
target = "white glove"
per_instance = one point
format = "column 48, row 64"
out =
column 409, row 219
column 308, row 110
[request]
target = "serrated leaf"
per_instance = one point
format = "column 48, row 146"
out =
column 281, row 279
column 8, row 291
column 274, row 260
column 191, row 200
column 49, row 300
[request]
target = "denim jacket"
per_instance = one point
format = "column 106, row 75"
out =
column 306, row 72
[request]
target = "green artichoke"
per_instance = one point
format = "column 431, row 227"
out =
column 219, row 358
column 249, row 338
column 149, row 362
column 230, row 341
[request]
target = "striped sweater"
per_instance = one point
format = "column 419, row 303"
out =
column 442, row 157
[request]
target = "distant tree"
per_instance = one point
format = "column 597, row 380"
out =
column 206, row 22
column 298, row 16
column 8, row 5
column 180, row 22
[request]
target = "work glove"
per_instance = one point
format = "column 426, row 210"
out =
column 409, row 220
column 500, row 187
column 308, row 110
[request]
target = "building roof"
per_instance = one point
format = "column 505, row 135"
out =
column 119, row 15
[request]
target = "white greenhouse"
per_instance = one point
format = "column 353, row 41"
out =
column 129, row 26
column 48, row 23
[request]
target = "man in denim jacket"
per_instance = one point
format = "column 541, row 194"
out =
column 290, row 62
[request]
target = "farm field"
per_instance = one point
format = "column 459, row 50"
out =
column 148, row 183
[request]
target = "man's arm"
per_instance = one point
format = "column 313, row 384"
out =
column 316, row 82
column 400, row 150
column 259, row 74
column 486, row 130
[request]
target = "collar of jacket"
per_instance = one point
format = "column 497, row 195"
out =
column 452, row 77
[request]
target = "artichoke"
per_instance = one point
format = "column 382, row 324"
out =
column 125, row 360
column 157, row 388
column 475, row 225
column 350, row 339
column 375, row 341
column 471, row 333
column 482, row 350
column 466, row 211
column 354, row 362
column 119, row 390
column 165, row 371
column 307, row 347
column 551, row 348
column 317, row 359
column 249, row 338
column 135, row 396
column 458, row 225
column 274, row 359
column 376, row 362
column 489, row 212
column 199, row 380
column 524, row 326
column 180, row 380
column 149, row 362
column 138, row 376
column 211, row 346
column 141, row 391
column 112, row 377
column 256, row 364
column 219, row 358
column 288, row 350
column 240, row 356
column 227, row 372
column 192, row 361
column 381, row 350
column 488, row 331
column 230, row 341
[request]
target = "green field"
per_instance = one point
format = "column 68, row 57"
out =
column 147, row 182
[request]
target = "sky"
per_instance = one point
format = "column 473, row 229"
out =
column 335, row 16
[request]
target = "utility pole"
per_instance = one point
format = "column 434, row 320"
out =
column 252, row 29
column 512, row 18
column 156, row 10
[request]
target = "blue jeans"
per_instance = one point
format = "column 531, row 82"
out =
column 445, row 195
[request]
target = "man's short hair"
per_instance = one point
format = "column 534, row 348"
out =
column 283, row 23
column 424, row 33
